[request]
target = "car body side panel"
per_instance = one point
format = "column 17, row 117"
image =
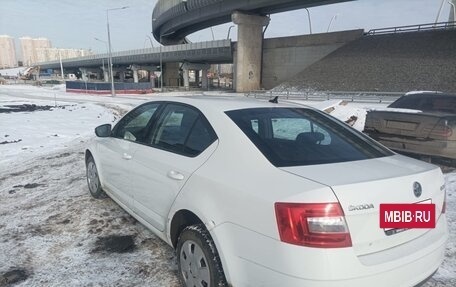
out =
column 154, row 190
column 113, row 161
column 238, row 184
column 238, row 177
column 239, row 201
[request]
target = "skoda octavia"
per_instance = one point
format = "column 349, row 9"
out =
column 253, row 193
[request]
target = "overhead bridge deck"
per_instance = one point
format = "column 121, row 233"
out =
column 175, row 19
column 204, row 52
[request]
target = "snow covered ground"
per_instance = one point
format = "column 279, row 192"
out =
column 14, row 72
column 52, row 233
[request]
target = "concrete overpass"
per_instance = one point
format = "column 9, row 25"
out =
column 203, row 52
column 197, row 56
column 282, row 58
column 172, row 20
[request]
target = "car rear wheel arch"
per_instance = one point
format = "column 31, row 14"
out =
column 182, row 219
column 196, row 252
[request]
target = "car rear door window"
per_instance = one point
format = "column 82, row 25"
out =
column 135, row 125
column 182, row 129
column 200, row 137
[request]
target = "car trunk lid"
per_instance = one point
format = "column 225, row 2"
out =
column 402, row 122
column 361, row 186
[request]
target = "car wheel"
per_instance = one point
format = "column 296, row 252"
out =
column 93, row 180
column 198, row 259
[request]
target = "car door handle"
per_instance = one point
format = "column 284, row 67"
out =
column 127, row 156
column 175, row 175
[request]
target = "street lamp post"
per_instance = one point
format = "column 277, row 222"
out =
column 113, row 91
column 440, row 12
column 161, row 56
column 453, row 12
column 107, row 51
column 61, row 66
column 310, row 23
column 229, row 31
column 213, row 37
column 161, row 65
column 150, row 40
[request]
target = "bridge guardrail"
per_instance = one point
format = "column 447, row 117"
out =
column 412, row 28
column 359, row 97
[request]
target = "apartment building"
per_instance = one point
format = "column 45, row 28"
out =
column 7, row 52
column 30, row 47
column 52, row 54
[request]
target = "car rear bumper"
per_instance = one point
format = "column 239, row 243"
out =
column 251, row 259
column 437, row 148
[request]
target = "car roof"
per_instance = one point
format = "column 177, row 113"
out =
column 228, row 103
column 427, row 93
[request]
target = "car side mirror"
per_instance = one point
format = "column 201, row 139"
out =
column 103, row 131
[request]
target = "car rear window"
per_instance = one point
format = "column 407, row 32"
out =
column 427, row 103
column 299, row 136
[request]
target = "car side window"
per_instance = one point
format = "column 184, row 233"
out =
column 183, row 130
column 442, row 104
column 201, row 137
column 134, row 126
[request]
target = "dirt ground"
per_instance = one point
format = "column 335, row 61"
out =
column 53, row 233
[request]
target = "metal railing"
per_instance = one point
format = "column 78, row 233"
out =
column 359, row 97
column 412, row 28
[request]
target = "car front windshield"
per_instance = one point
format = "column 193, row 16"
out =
column 299, row 136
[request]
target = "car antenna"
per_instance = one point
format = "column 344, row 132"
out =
column 275, row 100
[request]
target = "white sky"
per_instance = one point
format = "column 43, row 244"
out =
column 75, row 24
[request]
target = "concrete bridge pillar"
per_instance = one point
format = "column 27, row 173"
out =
column 170, row 74
column 197, row 77
column 249, row 50
column 151, row 76
column 204, row 79
column 84, row 73
column 197, row 67
column 135, row 70
column 186, row 78
column 105, row 74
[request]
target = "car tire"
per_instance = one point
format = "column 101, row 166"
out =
column 197, row 258
column 93, row 180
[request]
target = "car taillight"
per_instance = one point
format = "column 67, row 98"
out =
column 312, row 224
column 441, row 130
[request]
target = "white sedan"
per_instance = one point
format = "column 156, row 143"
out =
column 253, row 193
